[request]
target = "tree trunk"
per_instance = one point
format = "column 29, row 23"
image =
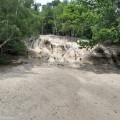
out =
column 6, row 41
column 55, row 25
column 42, row 27
column 76, row 33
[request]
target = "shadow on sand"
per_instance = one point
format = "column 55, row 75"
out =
column 101, row 69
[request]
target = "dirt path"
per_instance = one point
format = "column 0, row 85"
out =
column 56, row 93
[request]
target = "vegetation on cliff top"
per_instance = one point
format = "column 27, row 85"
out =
column 95, row 20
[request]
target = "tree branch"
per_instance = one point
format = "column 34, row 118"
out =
column 6, row 41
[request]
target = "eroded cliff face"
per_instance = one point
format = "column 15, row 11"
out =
column 65, row 51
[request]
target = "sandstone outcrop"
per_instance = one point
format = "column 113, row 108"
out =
column 65, row 51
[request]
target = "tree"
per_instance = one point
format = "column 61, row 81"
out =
column 57, row 12
column 18, row 19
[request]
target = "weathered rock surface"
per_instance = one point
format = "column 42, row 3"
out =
column 65, row 50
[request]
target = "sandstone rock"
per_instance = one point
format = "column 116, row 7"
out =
column 64, row 50
column 51, row 60
column 95, row 59
column 75, row 65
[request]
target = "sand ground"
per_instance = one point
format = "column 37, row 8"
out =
column 58, row 93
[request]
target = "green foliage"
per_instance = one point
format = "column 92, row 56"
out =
column 5, row 59
column 102, row 18
column 17, row 47
column 18, row 19
column 94, row 20
column 105, row 34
